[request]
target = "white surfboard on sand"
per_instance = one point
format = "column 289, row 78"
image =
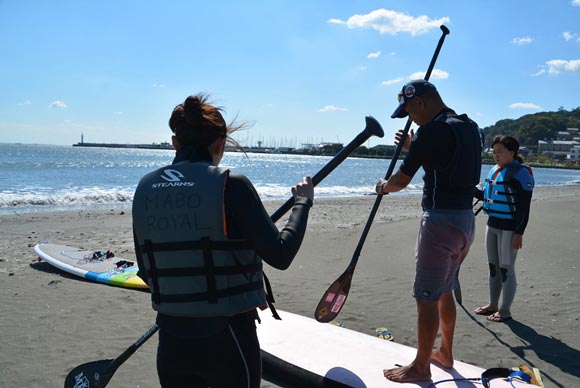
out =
column 302, row 352
column 93, row 265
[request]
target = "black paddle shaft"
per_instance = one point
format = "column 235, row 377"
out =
column 334, row 298
column 372, row 128
column 97, row 374
column 396, row 154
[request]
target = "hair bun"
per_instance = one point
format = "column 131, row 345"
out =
column 193, row 109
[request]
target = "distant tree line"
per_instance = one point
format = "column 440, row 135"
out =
column 379, row 151
column 530, row 128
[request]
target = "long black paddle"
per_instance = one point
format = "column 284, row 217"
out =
column 372, row 128
column 335, row 297
column 96, row 374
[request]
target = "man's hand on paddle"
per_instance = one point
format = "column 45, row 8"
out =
column 407, row 143
column 304, row 189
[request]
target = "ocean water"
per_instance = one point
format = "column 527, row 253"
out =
column 48, row 177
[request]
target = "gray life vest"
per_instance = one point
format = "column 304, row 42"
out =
column 193, row 269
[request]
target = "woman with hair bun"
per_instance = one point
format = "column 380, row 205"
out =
column 507, row 195
column 201, row 233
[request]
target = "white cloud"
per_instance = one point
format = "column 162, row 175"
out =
column 362, row 67
column 567, row 35
column 555, row 66
column 58, row 104
column 525, row 105
column 374, row 55
column 118, row 113
column 522, row 41
column 539, row 72
column 332, row 108
column 576, row 3
column 392, row 81
column 25, row 103
column 435, row 74
column 156, row 85
column 386, row 21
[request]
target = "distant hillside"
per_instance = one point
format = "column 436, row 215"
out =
column 530, row 128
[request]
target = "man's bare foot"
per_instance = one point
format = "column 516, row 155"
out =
column 408, row 373
column 445, row 360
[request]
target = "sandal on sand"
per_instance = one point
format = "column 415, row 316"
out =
column 497, row 317
column 484, row 311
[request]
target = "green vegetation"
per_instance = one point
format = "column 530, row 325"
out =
column 530, row 128
column 541, row 161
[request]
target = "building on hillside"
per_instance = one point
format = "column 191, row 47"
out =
column 574, row 153
column 556, row 148
column 568, row 134
column 574, row 133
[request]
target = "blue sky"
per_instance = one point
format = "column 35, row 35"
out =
column 300, row 70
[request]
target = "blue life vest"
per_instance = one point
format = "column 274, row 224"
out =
column 193, row 269
column 500, row 190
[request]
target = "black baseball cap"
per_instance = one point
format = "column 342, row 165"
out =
column 411, row 89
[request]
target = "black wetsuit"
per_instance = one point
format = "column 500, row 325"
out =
column 224, row 351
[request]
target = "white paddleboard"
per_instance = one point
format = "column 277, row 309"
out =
column 91, row 264
column 302, row 352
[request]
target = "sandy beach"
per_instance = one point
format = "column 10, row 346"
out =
column 52, row 322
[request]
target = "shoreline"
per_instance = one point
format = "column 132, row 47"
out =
column 126, row 206
column 53, row 321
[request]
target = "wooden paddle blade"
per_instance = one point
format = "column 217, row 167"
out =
column 95, row 374
column 334, row 298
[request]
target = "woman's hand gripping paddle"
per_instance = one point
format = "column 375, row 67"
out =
column 335, row 297
column 96, row 374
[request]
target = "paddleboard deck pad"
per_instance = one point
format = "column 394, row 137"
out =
column 100, row 266
column 301, row 352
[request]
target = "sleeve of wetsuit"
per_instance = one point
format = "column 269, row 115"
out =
column 247, row 218
column 525, row 185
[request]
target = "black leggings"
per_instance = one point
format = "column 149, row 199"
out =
column 229, row 359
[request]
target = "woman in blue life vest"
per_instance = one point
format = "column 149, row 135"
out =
column 201, row 233
column 506, row 195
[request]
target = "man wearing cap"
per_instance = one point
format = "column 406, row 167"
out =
column 448, row 147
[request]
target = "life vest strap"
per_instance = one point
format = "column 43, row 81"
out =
column 199, row 245
column 201, row 271
column 270, row 298
column 493, row 211
column 201, row 296
column 490, row 200
column 147, row 248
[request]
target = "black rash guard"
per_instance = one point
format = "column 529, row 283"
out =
column 449, row 150
column 246, row 218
